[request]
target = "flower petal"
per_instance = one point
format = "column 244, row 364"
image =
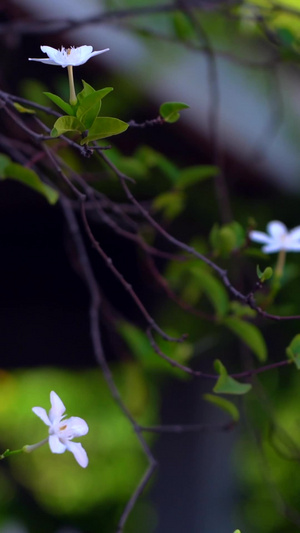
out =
column 46, row 60
column 77, row 426
column 277, row 229
column 259, row 236
column 79, row 453
column 56, row 446
column 292, row 246
column 41, row 413
column 79, row 56
column 57, row 407
column 52, row 53
column 97, row 52
column 273, row 247
column 294, row 234
column 82, row 53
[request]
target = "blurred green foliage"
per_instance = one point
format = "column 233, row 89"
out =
column 56, row 482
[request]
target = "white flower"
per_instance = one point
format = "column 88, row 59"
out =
column 61, row 432
column 278, row 238
column 68, row 56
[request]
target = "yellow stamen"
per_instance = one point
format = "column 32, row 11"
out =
column 62, row 427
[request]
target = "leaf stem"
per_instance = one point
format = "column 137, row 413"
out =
column 280, row 264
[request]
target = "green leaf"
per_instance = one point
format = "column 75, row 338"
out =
column 183, row 28
column 226, row 384
column 227, row 238
column 171, row 203
column 136, row 339
column 87, row 89
column 66, row 123
column 293, row 351
column 4, row 161
column 224, row 404
column 240, row 310
column 104, row 127
column 265, row 274
column 152, row 158
column 101, row 93
column 169, row 111
column 287, row 38
column 250, row 335
column 31, row 179
column 23, row 109
column 140, row 347
column 88, row 111
column 88, row 92
column 67, row 108
column 239, row 233
column 222, row 239
column 213, row 289
column 191, row 175
column 90, row 106
column 132, row 166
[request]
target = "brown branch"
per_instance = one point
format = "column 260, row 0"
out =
column 94, row 313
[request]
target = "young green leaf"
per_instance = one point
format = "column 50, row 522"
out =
column 67, row 108
column 87, row 89
column 267, row 273
column 66, row 123
column 250, row 335
column 89, row 107
column 87, row 112
column 226, row 384
column 28, row 177
column 226, row 405
column 293, row 351
column 23, row 109
column 104, row 127
column 169, row 111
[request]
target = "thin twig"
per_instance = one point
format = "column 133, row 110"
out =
column 127, row 286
